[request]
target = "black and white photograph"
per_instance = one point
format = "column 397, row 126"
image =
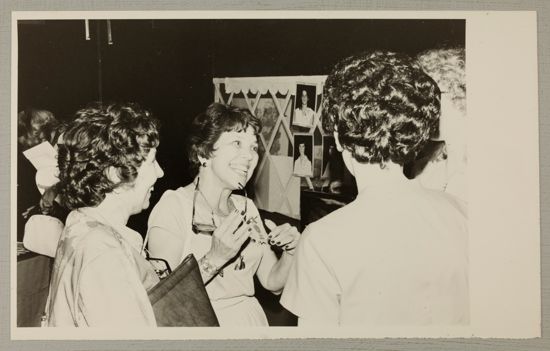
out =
column 304, row 105
column 160, row 181
column 303, row 155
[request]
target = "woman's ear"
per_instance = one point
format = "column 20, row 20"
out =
column 337, row 141
column 202, row 161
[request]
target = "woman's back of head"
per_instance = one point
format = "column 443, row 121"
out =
column 383, row 106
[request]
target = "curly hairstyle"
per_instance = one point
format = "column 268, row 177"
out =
column 35, row 126
column 207, row 127
column 117, row 135
column 448, row 68
column 383, row 106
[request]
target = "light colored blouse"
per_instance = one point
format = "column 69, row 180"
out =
column 99, row 278
column 397, row 255
column 235, row 285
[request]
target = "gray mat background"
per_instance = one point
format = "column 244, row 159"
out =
column 543, row 18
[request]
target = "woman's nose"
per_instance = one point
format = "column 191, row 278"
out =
column 248, row 153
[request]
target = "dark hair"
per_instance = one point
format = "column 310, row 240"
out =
column 207, row 127
column 35, row 126
column 383, row 106
column 117, row 135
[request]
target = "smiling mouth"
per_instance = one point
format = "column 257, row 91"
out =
column 242, row 170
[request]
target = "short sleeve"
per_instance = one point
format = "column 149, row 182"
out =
column 109, row 295
column 311, row 291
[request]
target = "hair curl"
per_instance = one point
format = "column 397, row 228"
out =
column 383, row 106
column 448, row 68
column 208, row 126
column 117, row 135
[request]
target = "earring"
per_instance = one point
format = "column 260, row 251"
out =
column 203, row 164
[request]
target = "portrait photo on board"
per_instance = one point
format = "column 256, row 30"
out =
column 303, row 155
column 304, row 105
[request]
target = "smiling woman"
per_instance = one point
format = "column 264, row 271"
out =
column 107, row 169
column 222, row 229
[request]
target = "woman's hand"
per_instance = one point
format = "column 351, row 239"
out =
column 227, row 239
column 284, row 236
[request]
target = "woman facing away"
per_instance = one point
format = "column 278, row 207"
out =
column 107, row 169
column 223, row 230
column 398, row 254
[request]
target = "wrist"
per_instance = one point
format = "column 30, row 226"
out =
column 214, row 260
column 207, row 266
column 289, row 252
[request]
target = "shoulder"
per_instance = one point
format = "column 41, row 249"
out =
column 171, row 205
column 175, row 198
column 323, row 231
column 181, row 193
column 90, row 239
column 448, row 202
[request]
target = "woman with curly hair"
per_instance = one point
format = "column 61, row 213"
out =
column 107, row 169
column 223, row 230
column 397, row 254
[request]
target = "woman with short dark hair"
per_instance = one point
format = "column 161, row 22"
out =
column 398, row 254
column 223, row 230
column 35, row 126
column 107, row 169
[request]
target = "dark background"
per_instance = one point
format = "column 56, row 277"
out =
column 167, row 65
column 327, row 142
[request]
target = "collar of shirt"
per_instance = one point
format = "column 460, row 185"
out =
column 129, row 235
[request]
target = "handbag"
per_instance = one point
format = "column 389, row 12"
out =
column 181, row 300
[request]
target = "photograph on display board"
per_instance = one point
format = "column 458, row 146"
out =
column 303, row 155
column 304, row 105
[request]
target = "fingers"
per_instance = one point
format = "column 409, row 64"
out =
column 284, row 235
column 236, row 234
column 270, row 225
column 242, row 231
column 242, row 235
column 230, row 224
